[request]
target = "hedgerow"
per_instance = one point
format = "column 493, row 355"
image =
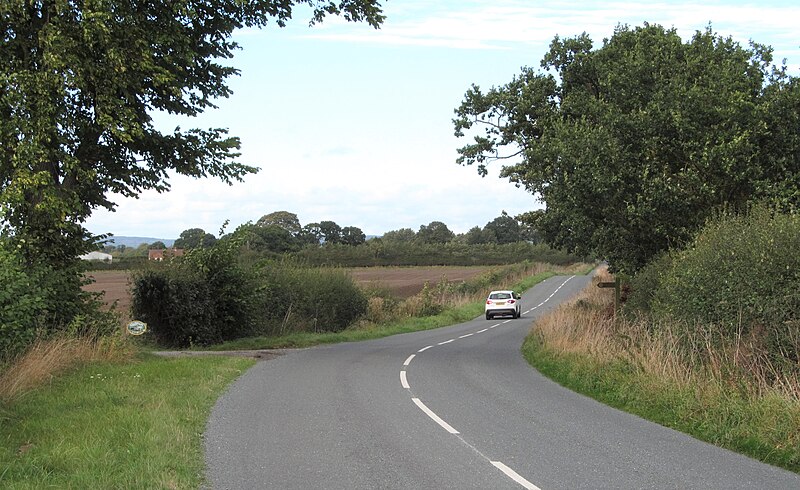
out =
column 741, row 272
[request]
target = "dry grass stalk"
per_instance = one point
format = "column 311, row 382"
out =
column 586, row 326
column 48, row 357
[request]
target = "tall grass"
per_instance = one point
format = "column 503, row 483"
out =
column 698, row 378
column 49, row 357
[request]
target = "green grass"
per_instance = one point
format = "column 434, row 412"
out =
column 132, row 425
column 766, row 428
column 140, row 424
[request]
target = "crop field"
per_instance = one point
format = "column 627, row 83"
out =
column 403, row 282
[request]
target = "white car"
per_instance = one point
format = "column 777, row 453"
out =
column 503, row 303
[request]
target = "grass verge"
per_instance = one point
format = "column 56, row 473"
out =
column 626, row 366
column 112, row 425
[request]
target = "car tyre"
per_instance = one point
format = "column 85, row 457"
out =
column 488, row 316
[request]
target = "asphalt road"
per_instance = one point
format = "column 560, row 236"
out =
column 456, row 407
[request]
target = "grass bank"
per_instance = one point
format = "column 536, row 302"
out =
column 724, row 394
column 136, row 424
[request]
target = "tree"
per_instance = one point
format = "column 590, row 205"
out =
column 478, row 236
column 633, row 145
column 352, row 235
column 158, row 245
column 331, row 232
column 195, row 238
column 435, row 232
column 79, row 83
column 401, row 235
column 271, row 238
column 505, row 229
column 286, row 220
column 310, row 234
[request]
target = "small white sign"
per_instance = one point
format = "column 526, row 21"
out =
column 137, row 328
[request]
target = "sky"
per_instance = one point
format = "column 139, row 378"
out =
column 354, row 125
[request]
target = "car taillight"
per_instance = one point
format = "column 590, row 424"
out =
column 488, row 301
column 511, row 301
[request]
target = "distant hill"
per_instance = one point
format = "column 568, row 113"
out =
column 135, row 241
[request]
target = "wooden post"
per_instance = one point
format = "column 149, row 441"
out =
column 616, row 286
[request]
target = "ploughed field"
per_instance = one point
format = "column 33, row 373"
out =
column 403, row 282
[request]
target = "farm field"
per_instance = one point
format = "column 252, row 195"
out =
column 403, row 282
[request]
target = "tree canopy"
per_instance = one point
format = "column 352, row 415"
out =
column 633, row 145
column 286, row 220
column 80, row 83
column 435, row 232
column 195, row 238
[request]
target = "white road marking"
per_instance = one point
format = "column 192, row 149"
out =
column 497, row 464
column 514, row 475
column 433, row 416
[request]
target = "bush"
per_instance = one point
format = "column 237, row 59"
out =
column 203, row 298
column 22, row 303
column 304, row 299
column 742, row 272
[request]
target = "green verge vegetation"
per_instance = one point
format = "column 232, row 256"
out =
column 127, row 420
column 707, row 343
column 136, row 424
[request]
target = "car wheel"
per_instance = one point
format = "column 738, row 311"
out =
column 488, row 316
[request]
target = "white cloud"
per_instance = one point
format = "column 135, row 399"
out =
column 358, row 131
column 500, row 24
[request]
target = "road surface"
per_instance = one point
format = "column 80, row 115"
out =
column 456, row 407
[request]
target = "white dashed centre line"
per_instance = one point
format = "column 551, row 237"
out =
column 514, row 476
column 435, row 417
column 404, row 383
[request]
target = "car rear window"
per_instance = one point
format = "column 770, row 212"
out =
column 500, row 296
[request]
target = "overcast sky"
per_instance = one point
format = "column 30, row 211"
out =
column 353, row 125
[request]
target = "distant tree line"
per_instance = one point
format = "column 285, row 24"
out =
column 281, row 232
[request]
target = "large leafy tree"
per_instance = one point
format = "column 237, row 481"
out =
column 352, row 235
column 286, row 220
column 505, row 228
column 401, row 235
column 435, row 232
column 80, row 81
column 633, row 145
column 330, row 231
column 195, row 238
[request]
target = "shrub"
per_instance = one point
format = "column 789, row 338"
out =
column 203, row 298
column 22, row 303
column 742, row 272
column 303, row 299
